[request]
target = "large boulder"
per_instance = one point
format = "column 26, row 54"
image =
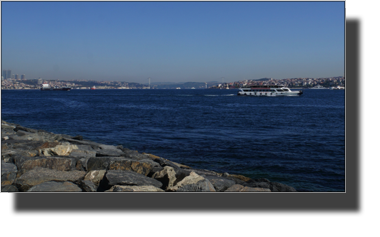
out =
column 140, row 167
column 154, row 157
column 7, row 129
column 82, row 153
column 108, row 150
column 193, row 183
column 82, row 164
column 56, row 163
column 166, row 176
column 40, row 175
column 53, row 186
column 135, row 155
column 21, row 128
column 98, row 163
column 95, row 176
column 279, row 187
column 64, row 149
column 8, row 173
column 88, row 186
column 38, row 136
column 29, row 148
column 258, row 183
column 220, row 184
column 11, row 148
column 180, row 173
column 9, row 188
column 125, row 177
column 120, row 163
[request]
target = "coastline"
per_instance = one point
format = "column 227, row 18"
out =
column 39, row 161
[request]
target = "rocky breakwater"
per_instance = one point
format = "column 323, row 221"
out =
column 39, row 161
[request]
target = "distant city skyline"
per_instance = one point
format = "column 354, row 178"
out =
column 173, row 41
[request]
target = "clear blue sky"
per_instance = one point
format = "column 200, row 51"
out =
column 173, row 41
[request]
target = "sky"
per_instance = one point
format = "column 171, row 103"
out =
column 172, row 41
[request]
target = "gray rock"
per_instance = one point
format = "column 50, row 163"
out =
column 9, row 188
column 88, row 186
column 39, row 136
column 204, row 172
column 64, row 149
column 77, row 153
column 220, row 184
column 127, row 188
column 140, row 167
column 78, row 137
column 180, row 173
column 98, row 163
column 119, row 163
column 25, row 164
column 21, row 128
column 154, row 170
column 82, row 164
column 7, row 130
column 135, row 155
column 279, row 187
column 107, row 150
column 193, row 183
column 122, row 177
column 95, row 176
column 241, row 188
column 258, row 183
column 40, row 175
column 8, row 173
column 22, row 147
column 53, row 186
column 236, row 180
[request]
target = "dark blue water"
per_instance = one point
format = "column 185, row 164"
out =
column 299, row 141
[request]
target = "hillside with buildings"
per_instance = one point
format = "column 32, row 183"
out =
column 15, row 83
column 288, row 82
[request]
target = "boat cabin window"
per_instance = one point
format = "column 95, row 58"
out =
column 279, row 90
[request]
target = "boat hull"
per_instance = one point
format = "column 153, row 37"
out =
column 268, row 91
column 270, row 94
column 55, row 89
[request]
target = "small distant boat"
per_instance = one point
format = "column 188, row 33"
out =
column 192, row 87
column 178, row 88
column 93, row 88
column 318, row 87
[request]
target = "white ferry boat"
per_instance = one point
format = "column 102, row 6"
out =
column 268, row 91
column 47, row 87
column 318, row 87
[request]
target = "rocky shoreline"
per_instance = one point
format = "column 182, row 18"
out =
column 39, row 161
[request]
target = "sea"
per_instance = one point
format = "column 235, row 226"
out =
column 298, row 141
